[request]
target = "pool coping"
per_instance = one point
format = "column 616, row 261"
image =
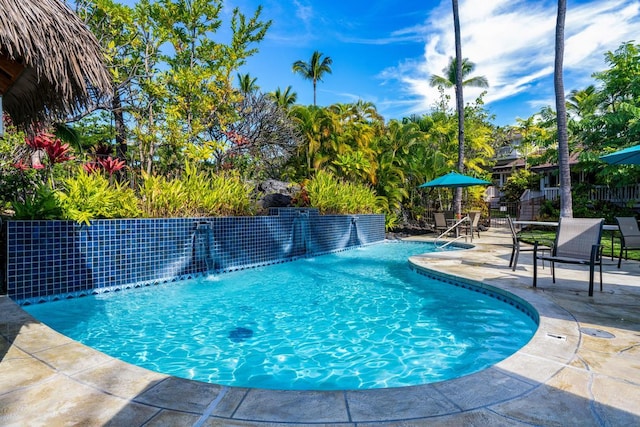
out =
column 66, row 381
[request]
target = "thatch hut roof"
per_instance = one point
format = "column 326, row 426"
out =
column 51, row 65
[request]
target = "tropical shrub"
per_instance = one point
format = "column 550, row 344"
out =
column 334, row 196
column 196, row 193
column 518, row 182
column 391, row 221
column 219, row 194
column 89, row 196
column 163, row 198
column 41, row 204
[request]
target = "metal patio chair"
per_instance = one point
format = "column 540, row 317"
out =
column 629, row 235
column 520, row 246
column 577, row 242
column 440, row 222
column 472, row 226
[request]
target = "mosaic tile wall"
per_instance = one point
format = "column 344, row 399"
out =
column 56, row 259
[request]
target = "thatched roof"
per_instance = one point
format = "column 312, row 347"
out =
column 50, row 63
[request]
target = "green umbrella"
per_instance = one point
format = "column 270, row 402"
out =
column 454, row 179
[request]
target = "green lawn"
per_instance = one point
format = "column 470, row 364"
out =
column 547, row 236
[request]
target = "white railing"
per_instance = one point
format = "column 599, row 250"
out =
column 551, row 193
column 600, row 192
column 449, row 230
column 621, row 194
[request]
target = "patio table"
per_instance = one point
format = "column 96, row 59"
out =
column 609, row 227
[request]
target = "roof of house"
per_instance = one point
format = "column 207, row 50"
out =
column 573, row 160
column 51, row 65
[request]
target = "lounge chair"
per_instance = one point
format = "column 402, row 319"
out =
column 577, row 242
column 630, row 235
column 520, row 246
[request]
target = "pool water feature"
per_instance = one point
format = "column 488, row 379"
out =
column 358, row 319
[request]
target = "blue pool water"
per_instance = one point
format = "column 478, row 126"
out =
column 357, row 319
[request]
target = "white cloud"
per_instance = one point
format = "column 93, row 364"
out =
column 304, row 12
column 512, row 44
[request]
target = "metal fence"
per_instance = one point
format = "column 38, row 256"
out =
column 523, row 210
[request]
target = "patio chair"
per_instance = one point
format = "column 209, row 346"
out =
column 520, row 246
column 472, row 226
column 577, row 242
column 629, row 235
column 440, row 222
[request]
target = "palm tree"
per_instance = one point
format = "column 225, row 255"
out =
column 566, row 209
column 247, row 83
column 449, row 78
column 459, row 82
column 314, row 70
column 284, row 99
column 313, row 123
column 583, row 103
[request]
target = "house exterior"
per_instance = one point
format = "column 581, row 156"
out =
column 508, row 159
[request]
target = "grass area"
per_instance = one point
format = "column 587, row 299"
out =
column 548, row 236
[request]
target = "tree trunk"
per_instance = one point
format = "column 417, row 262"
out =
column 314, row 92
column 121, row 128
column 566, row 209
column 457, row 198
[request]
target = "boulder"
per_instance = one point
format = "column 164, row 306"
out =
column 276, row 194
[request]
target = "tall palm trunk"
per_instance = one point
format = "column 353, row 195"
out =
column 457, row 198
column 315, row 83
column 566, row 209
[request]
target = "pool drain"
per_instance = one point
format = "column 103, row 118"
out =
column 598, row 333
column 240, row 334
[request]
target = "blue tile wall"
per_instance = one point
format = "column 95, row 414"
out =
column 58, row 259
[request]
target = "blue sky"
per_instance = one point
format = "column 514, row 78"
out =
column 384, row 51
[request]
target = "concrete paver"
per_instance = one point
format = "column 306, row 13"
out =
column 582, row 367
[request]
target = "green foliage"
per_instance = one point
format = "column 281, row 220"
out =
column 518, row 182
column 334, row 196
column 42, row 204
column 13, row 181
column 164, row 198
column 583, row 207
column 89, row 196
column 391, row 221
column 172, row 72
column 221, row 194
column 196, row 193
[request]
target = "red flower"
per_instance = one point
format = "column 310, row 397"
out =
column 91, row 167
column 111, row 165
column 55, row 149
column 40, row 141
column 21, row 165
column 58, row 152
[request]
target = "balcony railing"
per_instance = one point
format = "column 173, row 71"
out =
column 626, row 194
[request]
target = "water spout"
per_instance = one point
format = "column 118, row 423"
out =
column 354, row 233
column 204, row 246
column 298, row 243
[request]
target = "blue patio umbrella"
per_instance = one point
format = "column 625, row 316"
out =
column 453, row 180
column 628, row 156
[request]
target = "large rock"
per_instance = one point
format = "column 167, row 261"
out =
column 276, row 194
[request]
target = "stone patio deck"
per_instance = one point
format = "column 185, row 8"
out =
column 581, row 368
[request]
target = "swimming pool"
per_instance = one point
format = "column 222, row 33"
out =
column 357, row 319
